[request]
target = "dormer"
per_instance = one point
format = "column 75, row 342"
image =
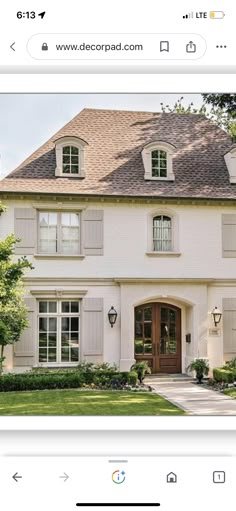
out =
column 157, row 160
column 70, row 157
column 230, row 160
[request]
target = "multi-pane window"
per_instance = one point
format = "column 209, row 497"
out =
column 59, row 233
column 159, row 163
column 70, row 160
column 59, row 331
column 162, row 234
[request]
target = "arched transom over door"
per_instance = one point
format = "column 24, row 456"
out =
column 158, row 337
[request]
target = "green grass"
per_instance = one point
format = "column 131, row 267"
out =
column 230, row 392
column 77, row 402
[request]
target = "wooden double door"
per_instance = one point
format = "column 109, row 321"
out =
column 158, row 337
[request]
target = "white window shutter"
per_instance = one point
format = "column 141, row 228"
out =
column 92, row 232
column 93, row 326
column 229, row 235
column 25, row 230
column 24, row 349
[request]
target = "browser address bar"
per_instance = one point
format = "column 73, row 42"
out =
column 116, row 46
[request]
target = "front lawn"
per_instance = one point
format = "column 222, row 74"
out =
column 230, row 392
column 77, row 402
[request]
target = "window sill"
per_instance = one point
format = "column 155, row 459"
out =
column 153, row 178
column 55, row 365
column 70, row 176
column 59, row 256
column 163, row 254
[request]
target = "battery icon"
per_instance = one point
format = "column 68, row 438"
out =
column 217, row 15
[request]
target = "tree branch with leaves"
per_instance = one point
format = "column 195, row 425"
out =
column 213, row 107
column 13, row 311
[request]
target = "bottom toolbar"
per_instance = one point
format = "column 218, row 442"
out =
column 65, row 483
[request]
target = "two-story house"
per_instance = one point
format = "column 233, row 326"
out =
column 131, row 210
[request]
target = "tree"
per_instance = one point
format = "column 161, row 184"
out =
column 13, row 312
column 220, row 116
column 223, row 101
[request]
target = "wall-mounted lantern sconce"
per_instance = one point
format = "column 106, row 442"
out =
column 112, row 316
column 216, row 315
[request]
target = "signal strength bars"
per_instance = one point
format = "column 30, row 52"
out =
column 189, row 15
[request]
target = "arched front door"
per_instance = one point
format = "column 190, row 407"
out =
column 158, row 337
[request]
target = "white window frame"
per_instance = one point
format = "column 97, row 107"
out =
column 69, row 141
column 174, row 252
column 147, row 160
column 59, row 315
column 161, row 240
column 59, row 232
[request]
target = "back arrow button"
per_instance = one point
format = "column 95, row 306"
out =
column 13, row 44
column 16, row 477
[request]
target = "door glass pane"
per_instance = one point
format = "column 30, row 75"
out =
column 148, row 314
column 148, row 346
column 148, row 330
column 138, row 330
column 138, row 344
column 168, row 341
column 138, row 314
column 143, row 331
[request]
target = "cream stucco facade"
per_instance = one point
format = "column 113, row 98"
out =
column 195, row 277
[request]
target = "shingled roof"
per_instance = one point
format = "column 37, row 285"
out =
column 113, row 162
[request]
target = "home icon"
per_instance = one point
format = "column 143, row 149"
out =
column 171, row 478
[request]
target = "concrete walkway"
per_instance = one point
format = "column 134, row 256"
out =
column 195, row 399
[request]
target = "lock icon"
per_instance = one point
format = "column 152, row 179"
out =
column 191, row 47
column 44, row 47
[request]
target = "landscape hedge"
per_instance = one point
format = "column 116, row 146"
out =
column 29, row 381
column 62, row 379
column 222, row 374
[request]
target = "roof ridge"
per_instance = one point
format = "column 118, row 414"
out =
column 139, row 111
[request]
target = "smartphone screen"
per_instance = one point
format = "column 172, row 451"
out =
column 117, row 255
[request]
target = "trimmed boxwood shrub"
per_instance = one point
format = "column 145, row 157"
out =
column 222, row 374
column 132, row 378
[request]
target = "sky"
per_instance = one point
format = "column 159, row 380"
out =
column 29, row 120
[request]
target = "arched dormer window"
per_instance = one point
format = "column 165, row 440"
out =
column 157, row 160
column 230, row 160
column 162, row 233
column 70, row 157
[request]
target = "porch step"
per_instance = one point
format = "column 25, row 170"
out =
column 165, row 378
